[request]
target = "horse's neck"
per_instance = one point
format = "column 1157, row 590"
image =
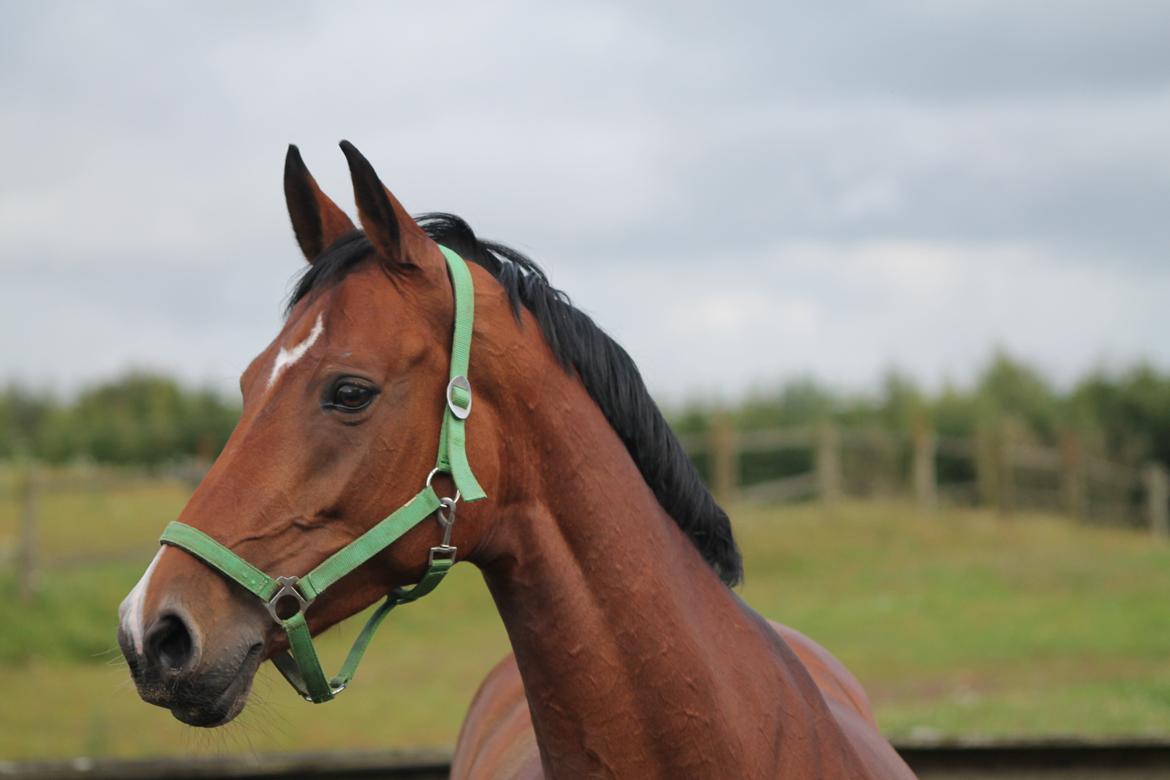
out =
column 637, row 661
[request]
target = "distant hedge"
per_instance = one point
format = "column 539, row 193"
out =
column 139, row 419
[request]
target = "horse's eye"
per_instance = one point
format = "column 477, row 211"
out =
column 351, row 397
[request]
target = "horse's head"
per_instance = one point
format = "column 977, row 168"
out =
column 340, row 424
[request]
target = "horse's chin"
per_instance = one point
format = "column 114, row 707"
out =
column 218, row 706
column 219, row 712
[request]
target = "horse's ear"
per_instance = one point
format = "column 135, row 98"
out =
column 317, row 221
column 388, row 226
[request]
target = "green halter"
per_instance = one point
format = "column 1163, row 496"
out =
column 301, row 667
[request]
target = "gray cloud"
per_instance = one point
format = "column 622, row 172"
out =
column 687, row 174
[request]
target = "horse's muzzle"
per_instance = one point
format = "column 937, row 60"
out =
column 172, row 672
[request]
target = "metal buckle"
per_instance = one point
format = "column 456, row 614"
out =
column 460, row 412
column 443, row 552
column 288, row 587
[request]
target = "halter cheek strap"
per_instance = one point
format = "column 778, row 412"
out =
column 287, row 598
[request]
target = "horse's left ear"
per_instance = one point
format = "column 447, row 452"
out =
column 388, row 226
column 316, row 220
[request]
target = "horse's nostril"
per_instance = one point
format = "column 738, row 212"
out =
column 168, row 644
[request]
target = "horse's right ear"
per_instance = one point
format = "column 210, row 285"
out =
column 317, row 221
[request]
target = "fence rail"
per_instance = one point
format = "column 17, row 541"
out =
column 991, row 469
column 28, row 483
column 798, row 463
column 1006, row 760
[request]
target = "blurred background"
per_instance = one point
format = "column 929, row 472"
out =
column 898, row 272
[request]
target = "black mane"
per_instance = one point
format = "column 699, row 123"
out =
column 606, row 370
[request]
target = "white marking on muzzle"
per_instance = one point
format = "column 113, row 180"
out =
column 286, row 357
column 130, row 611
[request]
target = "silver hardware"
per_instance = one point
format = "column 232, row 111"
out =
column 442, row 551
column 446, row 516
column 332, row 690
column 431, row 476
column 460, row 412
column 288, row 587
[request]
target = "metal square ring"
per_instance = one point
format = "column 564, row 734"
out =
column 288, row 587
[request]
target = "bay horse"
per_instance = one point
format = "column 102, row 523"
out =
column 610, row 563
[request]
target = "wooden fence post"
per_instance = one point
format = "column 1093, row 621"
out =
column 26, row 563
column 994, row 466
column 1072, row 476
column 828, row 463
column 987, row 471
column 887, row 478
column 724, row 458
column 1007, row 471
column 1157, row 483
column 925, row 479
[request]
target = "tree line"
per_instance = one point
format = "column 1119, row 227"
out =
column 149, row 419
column 140, row 419
column 1122, row 416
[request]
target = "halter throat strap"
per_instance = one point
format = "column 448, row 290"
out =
column 288, row 598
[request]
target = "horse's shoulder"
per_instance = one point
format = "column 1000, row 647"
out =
column 835, row 682
column 497, row 739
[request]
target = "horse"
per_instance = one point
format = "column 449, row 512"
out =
column 610, row 563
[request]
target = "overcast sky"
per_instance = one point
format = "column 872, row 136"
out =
column 739, row 192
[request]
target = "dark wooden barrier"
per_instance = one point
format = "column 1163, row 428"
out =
column 1068, row 759
column 944, row 760
column 356, row 765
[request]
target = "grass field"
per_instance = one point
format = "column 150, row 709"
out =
column 958, row 623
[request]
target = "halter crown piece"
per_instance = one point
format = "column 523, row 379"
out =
column 301, row 667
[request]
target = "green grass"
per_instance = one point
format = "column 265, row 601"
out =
column 959, row 623
column 72, row 619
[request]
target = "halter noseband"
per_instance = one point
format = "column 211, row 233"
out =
column 301, row 667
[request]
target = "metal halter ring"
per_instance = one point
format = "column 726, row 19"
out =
column 453, row 501
column 288, row 587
